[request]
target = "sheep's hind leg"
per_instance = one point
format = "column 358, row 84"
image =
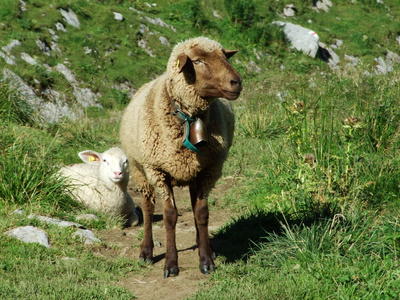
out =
column 146, row 250
column 170, row 219
column 201, row 215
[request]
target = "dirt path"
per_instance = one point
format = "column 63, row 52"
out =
column 149, row 283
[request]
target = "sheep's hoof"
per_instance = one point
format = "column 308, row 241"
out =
column 205, row 269
column 172, row 272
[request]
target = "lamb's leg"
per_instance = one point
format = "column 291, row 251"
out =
column 201, row 214
column 146, row 250
column 170, row 219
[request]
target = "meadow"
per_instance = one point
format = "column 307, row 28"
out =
column 315, row 161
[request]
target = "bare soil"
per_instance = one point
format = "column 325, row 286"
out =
column 149, row 282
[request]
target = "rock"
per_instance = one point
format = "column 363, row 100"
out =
column 85, row 97
column 44, row 47
column 385, row 65
column 300, row 38
column 353, row 61
column 158, row 22
column 118, row 16
column 87, row 236
column 70, row 17
column 68, row 74
column 290, row 10
column 14, row 43
column 19, row 212
column 22, row 6
column 324, row 5
column 57, row 222
column 164, row 41
column 60, row 27
column 29, row 59
column 10, row 60
column 29, row 234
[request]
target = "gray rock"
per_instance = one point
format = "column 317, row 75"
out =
column 60, row 27
column 86, row 236
column 68, row 74
column 289, row 10
column 44, row 47
column 57, row 222
column 14, row 43
column 118, row 16
column 19, row 212
column 29, row 59
column 158, row 22
column 323, row 5
column 29, row 234
column 352, row 60
column 22, row 6
column 164, row 41
column 70, row 17
column 300, row 38
column 10, row 60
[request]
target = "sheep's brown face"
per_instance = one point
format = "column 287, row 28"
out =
column 211, row 73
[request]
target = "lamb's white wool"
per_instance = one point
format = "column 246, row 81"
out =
column 101, row 183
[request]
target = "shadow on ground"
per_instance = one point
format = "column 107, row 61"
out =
column 236, row 239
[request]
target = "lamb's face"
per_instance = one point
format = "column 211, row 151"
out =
column 210, row 73
column 115, row 167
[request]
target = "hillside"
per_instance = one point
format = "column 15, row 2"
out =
column 81, row 54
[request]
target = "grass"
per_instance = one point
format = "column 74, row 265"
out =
column 315, row 158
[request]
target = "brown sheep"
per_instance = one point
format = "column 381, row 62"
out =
column 155, row 135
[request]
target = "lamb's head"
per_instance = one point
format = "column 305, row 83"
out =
column 113, row 164
column 204, row 65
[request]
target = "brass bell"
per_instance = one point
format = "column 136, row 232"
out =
column 198, row 133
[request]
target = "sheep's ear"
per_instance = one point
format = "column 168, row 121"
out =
column 229, row 53
column 181, row 61
column 90, row 157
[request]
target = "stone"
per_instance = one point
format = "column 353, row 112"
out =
column 29, row 59
column 70, row 17
column 300, row 38
column 29, row 234
column 86, row 236
column 57, row 222
column 60, row 27
column 289, row 10
column 14, row 43
column 118, row 16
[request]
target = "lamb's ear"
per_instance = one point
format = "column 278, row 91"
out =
column 90, row 157
column 229, row 53
column 181, row 61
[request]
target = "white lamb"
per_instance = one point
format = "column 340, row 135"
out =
column 101, row 183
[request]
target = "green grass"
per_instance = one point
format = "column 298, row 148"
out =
column 315, row 161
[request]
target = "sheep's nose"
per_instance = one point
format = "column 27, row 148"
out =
column 236, row 82
column 117, row 174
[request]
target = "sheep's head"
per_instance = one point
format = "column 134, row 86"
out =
column 204, row 65
column 113, row 163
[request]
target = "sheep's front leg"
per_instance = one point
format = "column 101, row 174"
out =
column 201, row 215
column 146, row 250
column 170, row 219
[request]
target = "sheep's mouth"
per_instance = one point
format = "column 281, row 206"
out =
column 116, row 179
column 231, row 95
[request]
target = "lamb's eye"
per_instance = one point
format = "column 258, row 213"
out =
column 197, row 61
column 105, row 161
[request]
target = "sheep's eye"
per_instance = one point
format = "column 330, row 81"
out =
column 197, row 61
column 105, row 161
